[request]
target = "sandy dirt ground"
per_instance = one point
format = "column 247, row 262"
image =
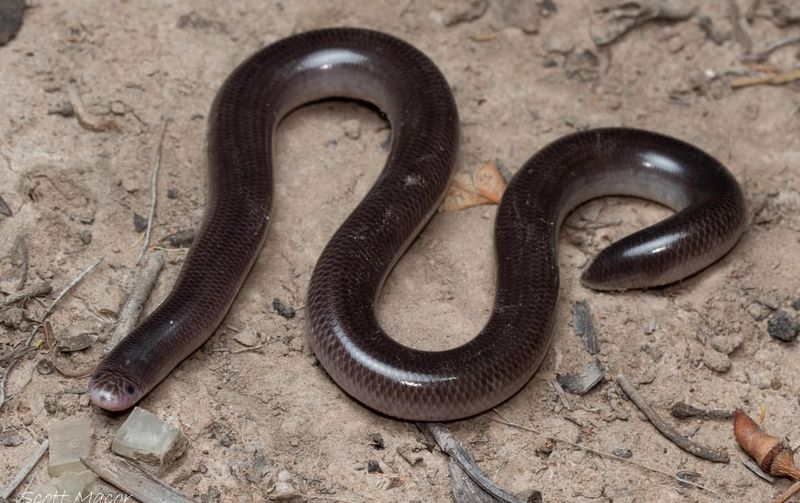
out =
column 520, row 82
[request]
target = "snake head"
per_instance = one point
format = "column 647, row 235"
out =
column 112, row 391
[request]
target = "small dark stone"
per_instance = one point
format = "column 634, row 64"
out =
column 62, row 108
column 172, row 193
column 139, row 222
column 50, row 404
column 180, row 239
column 796, row 304
column 283, row 309
column 622, row 453
column 782, row 327
column 10, row 438
column 4, row 209
column 86, row 219
column 373, row 467
column 44, row 367
column 376, row 441
column 579, row 383
column 197, row 22
column 77, row 342
column 10, row 19
column 86, row 236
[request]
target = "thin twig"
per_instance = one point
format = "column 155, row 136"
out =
column 153, row 192
column 764, row 54
column 787, row 494
column 751, row 11
column 72, row 284
column 448, row 443
column 507, row 422
column 135, row 482
column 82, row 115
column 17, row 353
column 25, row 469
column 3, row 380
column 773, row 80
column 52, row 344
column 667, row 429
column 738, row 32
column 143, row 283
column 33, row 291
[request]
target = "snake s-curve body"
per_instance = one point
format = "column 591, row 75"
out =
column 342, row 329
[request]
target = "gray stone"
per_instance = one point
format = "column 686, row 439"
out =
column 70, row 440
column 145, row 437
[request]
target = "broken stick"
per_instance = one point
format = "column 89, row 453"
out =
column 667, row 429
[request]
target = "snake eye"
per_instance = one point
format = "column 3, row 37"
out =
column 129, row 389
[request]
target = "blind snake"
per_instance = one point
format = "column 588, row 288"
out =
column 342, row 329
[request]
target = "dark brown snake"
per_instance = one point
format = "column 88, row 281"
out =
column 342, row 329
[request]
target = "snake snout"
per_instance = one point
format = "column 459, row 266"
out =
column 112, row 392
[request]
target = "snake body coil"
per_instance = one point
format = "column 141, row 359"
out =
column 342, row 328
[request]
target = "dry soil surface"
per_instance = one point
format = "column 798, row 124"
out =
column 250, row 414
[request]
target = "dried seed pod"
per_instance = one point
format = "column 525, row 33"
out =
column 772, row 455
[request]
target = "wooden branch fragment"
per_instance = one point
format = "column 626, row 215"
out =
column 3, row 380
column 133, row 481
column 143, row 283
column 30, row 292
column 667, row 429
column 683, row 410
column 606, row 455
column 25, row 469
column 786, row 495
column 82, row 115
column 739, row 34
column 751, row 11
column 448, row 443
column 153, row 192
column 772, row 80
column 72, row 284
column 762, row 55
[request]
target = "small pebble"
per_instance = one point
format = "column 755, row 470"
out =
column 411, row 455
column 247, row 338
column 172, row 193
column 352, row 129
column 11, row 438
column 62, row 108
column 782, row 327
column 796, row 304
column 118, row 108
column 77, row 342
column 376, row 441
column 283, row 309
column 283, row 489
column 139, row 222
column 716, row 361
column 86, row 236
column 373, row 467
column 51, row 404
column 622, row 453
column 180, row 239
